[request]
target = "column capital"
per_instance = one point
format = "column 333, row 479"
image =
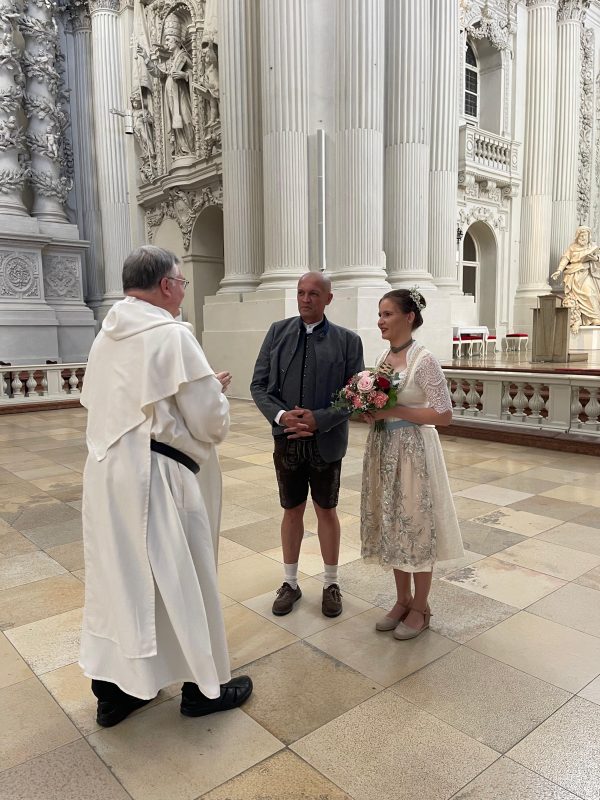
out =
column 572, row 10
column 542, row 3
column 104, row 5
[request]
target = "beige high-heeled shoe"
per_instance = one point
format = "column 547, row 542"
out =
column 388, row 623
column 404, row 632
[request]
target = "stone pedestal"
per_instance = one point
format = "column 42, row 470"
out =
column 587, row 340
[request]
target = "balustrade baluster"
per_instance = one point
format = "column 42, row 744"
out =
column 73, row 382
column 4, row 385
column 459, row 397
column 520, row 402
column 473, row 399
column 17, row 387
column 31, row 384
column 536, row 404
column 44, row 383
column 506, row 400
column 576, row 406
column 592, row 408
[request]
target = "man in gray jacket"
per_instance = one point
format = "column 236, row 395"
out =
column 302, row 363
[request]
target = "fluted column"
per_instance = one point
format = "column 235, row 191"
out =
column 110, row 143
column 12, row 172
column 407, row 135
column 86, row 183
column 566, row 142
column 243, row 224
column 48, row 169
column 284, row 91
column 359, row 257
column 540, row 106
column 443, row 177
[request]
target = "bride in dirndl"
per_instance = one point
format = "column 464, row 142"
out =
column 408, row 520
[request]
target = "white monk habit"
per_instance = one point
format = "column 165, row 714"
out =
column 150, row 526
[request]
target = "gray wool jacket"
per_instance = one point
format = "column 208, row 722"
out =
column 338, row 354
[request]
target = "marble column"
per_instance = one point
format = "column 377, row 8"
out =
column 359, row 257
column 443, row 176
column 109, row 137
column 540, row 107
column 566, row 131
column 48, row 177
column 407, row 135
column 12, row 171
column 86, row 182
column 284, row 92
column 243, row 222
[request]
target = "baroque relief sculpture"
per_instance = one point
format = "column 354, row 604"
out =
column 580, row 271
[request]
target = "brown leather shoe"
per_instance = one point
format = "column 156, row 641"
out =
column 332, row 601
column 286, row 597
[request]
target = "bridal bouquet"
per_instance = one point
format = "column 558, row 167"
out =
column 369, row 390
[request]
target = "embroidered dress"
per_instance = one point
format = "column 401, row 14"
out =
column 408, row 520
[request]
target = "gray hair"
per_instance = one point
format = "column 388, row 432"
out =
column 145, row 267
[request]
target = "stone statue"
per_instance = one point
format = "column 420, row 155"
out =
column 209, row 82
column 175, row 72
column 580, row 271
column 9, row 133
column 52, row 147
column 143, row 126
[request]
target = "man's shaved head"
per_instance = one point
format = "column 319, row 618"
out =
column 314, row 293
column 317, row 279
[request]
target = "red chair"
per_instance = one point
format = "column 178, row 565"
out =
column 516, row 341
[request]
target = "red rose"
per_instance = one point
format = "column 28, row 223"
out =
column 383, row 382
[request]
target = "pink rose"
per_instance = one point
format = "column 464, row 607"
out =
column 361, row 374
column 356, row 402
column 365, row 384
column 380, row 400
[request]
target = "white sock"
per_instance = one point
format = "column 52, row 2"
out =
column 331, row 574
column 291, row 574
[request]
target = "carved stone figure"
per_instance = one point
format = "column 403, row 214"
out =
column 580, row 271
column 9, row 133
column 143, row 126
column 209, row 83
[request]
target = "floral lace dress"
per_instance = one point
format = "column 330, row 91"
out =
column 408, row 520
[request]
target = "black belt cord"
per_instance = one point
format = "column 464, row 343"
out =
column 175, row 454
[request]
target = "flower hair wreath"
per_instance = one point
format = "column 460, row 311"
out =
column 416, row 297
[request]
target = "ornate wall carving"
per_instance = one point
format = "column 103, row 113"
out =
column 572, row 10
column 586, row 127
column 184, row 207
column 62, row 277
column 19, row 275
column 487, row 20
column 470, row 214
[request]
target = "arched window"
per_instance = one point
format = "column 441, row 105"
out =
column 471, row 84
column 470, row 267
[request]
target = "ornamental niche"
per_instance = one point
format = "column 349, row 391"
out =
column 175, row 97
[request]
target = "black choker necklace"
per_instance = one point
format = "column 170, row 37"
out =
column 402, row 346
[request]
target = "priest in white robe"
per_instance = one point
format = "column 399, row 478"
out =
column 151, row 504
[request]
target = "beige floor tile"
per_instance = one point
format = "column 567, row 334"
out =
column 44, row 472
column 592, row 691
column 524, row 482
column 266, row 506
column 551, row 559
column 590, row 579
column 486, row 540
column 258, row 536
column 311, row 561
column 226, row 601
column 549, row 651
column 574, row 535
column 473, row 474
column 522, row 522
column 458, row 484
column 467, row 508
column 56, row 533
column 566, row 749
column 261, row 475
column 71, row 772
column 557, row 474
column 495, row 495
column 378, row 655
column 33, row 512
column 442, row 568
column 12, row 667
column 69, row 555
column 260, row 459
column 456, row 689
column 32, row 723
column 13, row 543
column 233, row 516
column 240, row 491
column 231, row 551
column 250, row 576
column 365, row 761
column 283, row 776
column 461, row 615
column 27, row 567
column 509, row 466
column 575, row 494
column 34, row 601
column 589, row 518
column 574, row 606
column 306, row 618
column 508, row 583
column 369, row 582
column 506, row 780
column 547, row 506
column 159, row 754
column 288, row 701
column 49, row 643
column 250, row 636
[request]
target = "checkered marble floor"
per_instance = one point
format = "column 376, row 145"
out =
column 500, row 700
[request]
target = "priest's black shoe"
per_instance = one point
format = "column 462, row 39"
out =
column 110, row 714
column 233, row 694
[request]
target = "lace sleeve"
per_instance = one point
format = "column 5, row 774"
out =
column 430, row 377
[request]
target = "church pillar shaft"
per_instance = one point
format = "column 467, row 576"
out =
column 110, row 143
column 443, row 176
column 12, row 171
column 359, row 257
column 407, row 143
column 284, row 89
column 243, row 220
column 540, row 106
column 566, row 144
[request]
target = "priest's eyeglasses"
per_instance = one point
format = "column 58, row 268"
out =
column 185, row 282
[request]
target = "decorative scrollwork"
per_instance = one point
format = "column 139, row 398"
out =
column 586, row 127
column 183, row 206
column 47, row 185
column 13, row 180
column 10, row 99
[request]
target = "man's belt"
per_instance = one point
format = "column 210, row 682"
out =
column 175, row 454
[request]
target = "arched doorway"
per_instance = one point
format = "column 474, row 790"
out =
column 203, row 265
column 479, row 271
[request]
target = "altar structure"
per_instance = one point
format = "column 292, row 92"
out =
column 449, row 144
